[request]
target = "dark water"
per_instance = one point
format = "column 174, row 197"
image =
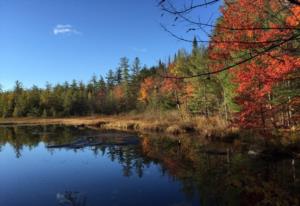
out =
column 150, row 171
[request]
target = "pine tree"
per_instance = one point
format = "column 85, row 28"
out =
column 118, row 76
column 110, row 79
column 125, row 83
column 124, row 67
column 135, row 81
column 136, row 68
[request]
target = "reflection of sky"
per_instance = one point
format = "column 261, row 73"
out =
column 38, row 175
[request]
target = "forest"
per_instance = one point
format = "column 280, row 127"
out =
column 247, row 74
column 154, row 102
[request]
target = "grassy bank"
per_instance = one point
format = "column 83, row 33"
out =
column 169, row 123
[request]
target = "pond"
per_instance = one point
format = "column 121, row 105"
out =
column 55, row 165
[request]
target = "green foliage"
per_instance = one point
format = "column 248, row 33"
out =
column 207, row 95
column 131, row 87
column 119, row 91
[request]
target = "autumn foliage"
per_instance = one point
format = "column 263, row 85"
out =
column 248, row 75
column 255, row 27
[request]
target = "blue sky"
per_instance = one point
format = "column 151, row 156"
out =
column 61, row 40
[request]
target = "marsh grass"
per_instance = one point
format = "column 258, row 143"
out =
column 152, row 121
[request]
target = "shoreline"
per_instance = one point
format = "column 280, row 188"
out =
column 207, row 132
column 213, row 128
column 207, row 128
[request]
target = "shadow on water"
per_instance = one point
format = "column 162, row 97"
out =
column 225, row 177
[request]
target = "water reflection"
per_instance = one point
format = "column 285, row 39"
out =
column 227, row 179
column 204, row 178
column 71, row 199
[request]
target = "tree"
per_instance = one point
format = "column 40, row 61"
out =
column 174, row 88
column 110, row 79
column 136, row 67
column 118, row 76
column 135, row 80
column 34, row 95
column 285, row 32
column 207, row 95
column 101, row 96
column 18, row 100
column 264, row 69
column 125, row 83
column 124, row 67
column 146, row 90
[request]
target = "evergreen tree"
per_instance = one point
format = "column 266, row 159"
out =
column 118, row 76
column 125, row 83
column 110, row 79
column 34, row 102
column 136, row 68
column 124, row 67
column 18, row 103
column 135, row 80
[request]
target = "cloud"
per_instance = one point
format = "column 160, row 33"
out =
column 142, row 50
column 65, row 29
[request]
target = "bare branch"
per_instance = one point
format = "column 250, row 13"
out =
column 219, row 42
column 191, row 7
column 173, row 11
column 296, row 2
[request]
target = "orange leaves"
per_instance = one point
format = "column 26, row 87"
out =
column 146, row 89
column 148, row 82
column 170, row 85
column 189, row 90
column 294, row 19
column 143, row 95
column 250, row 33
column 118, row 92
column 255, row 79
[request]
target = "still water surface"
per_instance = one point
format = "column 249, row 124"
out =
column 142, row 171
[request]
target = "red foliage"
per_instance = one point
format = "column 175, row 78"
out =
column 170, row 85
column 255, row 79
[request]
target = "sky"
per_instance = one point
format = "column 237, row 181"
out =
column 61, row 40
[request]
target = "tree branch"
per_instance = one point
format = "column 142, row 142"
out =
column 272, row 47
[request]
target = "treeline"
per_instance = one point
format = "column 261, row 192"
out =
column 262, row 91
column 130, row 87
column 117, row 92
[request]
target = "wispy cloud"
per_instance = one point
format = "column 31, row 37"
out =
column 142, row 50
column 65, row 29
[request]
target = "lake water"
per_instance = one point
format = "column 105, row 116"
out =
column 142, row 171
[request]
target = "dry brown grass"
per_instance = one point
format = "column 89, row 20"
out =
column 169, row 122
column 165, row 116
column 212, row 126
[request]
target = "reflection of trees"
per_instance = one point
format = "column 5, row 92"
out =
column 20, row 137
column 139, row 167
column 27, row 136
column 129, row 157
column 216, row 179
column 17, row 139
column 71, row 199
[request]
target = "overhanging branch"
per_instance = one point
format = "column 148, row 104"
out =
column 264, row 51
